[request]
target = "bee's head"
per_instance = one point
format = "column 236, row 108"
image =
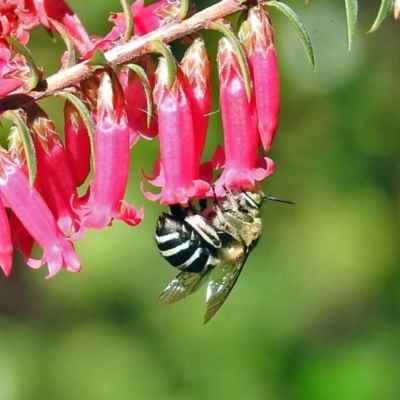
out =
column 250, row 200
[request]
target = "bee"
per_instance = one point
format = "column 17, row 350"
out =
column 210, row 244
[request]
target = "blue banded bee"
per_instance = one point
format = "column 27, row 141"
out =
column 211, row 243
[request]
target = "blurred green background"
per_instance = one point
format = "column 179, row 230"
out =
column 316, row 312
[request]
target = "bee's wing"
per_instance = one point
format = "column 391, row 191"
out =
column 223, row 279
column 184, row 284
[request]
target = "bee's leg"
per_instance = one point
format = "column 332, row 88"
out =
column 181, row 211
column 231, row 198
column 215, row 196
column 202, row 204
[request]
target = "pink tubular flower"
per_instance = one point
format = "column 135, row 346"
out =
column 17, row 18
column 242, row 167
column 37, row 218
column 196, row 68
column 258, row 40
column 54, row 178
column 60, row 11
column 176, row 172
column 6, row 248
column 22, row 239
column 136, row 103
column 111, row 162
column 145, row 19
column 13, row 72
column 77, row 144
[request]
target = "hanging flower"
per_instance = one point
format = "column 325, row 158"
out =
column 111, row 160
column 17, row 18
column 258, row 40
column 36, row 217
column 54, row 179
column 239, row 119
column 145, row 18
column 176, row 171
column 77, row 144
column 196, row 68
column 61, row 12
column 14, row 72
column 136, row 102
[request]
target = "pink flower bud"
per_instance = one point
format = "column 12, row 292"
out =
column 136, row 102
column 77, row 144
column 196, row 68
column 258, row 40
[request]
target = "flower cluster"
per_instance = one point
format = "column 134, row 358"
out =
column 107, row 113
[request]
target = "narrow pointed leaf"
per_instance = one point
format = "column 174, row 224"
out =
column 128, row 18
column 84, row 114
column 156, row 46
column 98, row 60
column 384, row 9
column 71, row 61
column 300, row 28
column 147, row 89
column 184, row 9
column 234, row 41
column 27, row 142
column 351, row 17
column 34, row 70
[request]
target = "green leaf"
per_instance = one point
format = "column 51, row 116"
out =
column 147, row 89
column 98, row 60
column 84, row 114
column 27, row 143
column 300, row 28
column 71, row 61
column 156, row 46
column 128, row 18
column 34, row 70
column 351, row 17
column 184, row 9
column 384, row 9
column 237, row 47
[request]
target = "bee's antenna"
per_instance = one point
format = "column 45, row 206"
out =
column 278, row 200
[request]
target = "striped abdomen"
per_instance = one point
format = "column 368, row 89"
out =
column 183, row 246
